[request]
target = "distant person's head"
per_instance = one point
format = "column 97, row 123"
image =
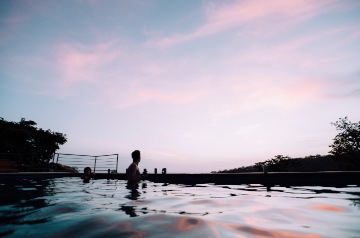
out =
column 87, row 170
column 136, row 156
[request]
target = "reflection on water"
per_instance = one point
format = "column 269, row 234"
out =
column 67, row 207
column 133, row 194
column 329, row 208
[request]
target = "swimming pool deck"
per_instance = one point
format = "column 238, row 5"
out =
column 327, row 178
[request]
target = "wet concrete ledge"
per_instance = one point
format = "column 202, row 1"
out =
column 329, row 178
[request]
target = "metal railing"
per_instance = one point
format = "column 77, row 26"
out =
column 98, row 163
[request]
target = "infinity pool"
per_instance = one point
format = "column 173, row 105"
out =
column 65, row 207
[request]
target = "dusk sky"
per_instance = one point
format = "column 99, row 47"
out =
column 195, row 85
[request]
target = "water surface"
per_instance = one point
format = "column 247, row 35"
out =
column 65, row 207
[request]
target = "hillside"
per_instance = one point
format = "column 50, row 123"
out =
column 308, row 164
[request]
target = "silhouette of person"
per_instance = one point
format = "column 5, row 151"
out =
column 87, row 175
column 133, row 172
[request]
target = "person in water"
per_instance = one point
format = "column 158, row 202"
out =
column 87, row 175
column 133, row 172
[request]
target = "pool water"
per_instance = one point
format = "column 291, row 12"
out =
column 65, row 207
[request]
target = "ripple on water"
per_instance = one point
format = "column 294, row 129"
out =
column 67, row 207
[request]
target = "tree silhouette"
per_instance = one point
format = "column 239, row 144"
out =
column 279, row 163
column 24, row 138
column 347, row 142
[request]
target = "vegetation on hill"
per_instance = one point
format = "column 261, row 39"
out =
column 29, row 143
column 344, row 155
column 346, row 143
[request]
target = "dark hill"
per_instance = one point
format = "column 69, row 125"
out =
column 308, row 164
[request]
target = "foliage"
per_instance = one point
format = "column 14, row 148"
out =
column 346, row 145
column 347, row 142
column 26, row 139
column 242, row 169
column 279, row 163
column 311, row 163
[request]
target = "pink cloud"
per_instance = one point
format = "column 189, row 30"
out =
column 170, row 96
column 233, row 93
column 81, row 63
column 306, row 52
column 138, row 94
column 264, row 91
column 293, row 94
column 240, row 13
column 292, row 51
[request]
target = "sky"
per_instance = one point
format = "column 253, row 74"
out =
column 196, row 86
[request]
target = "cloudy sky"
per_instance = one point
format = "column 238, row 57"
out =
column 196, row 86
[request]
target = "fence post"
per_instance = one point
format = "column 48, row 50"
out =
column 95, row 164
column 117, row 161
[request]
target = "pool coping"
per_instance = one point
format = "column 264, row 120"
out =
column 324, row 178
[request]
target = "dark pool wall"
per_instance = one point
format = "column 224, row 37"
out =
column 268, row 179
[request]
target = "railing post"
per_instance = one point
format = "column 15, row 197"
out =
column 117, row 162
column 265, row 169
column 57, row 161
column 95, row 164
column 53, row 159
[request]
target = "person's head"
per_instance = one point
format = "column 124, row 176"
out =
column 136, row 156
column 87, row 170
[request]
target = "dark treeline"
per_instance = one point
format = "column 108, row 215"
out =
column 343, row 156
column 312, row 163
column 24, row 141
